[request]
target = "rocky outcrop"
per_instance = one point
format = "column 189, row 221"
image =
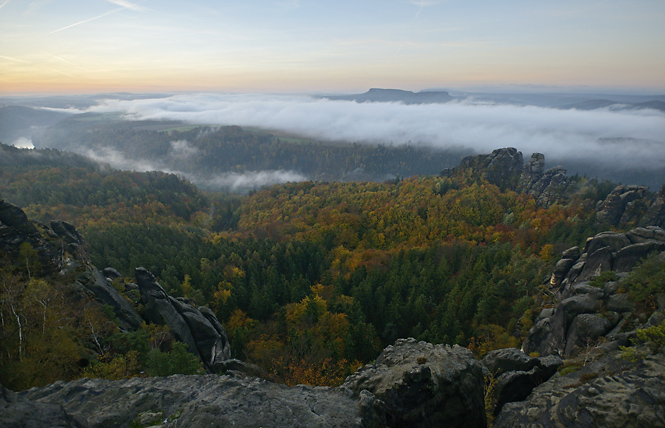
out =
column 198, row 328
column 99, row 289
column 208, row 400
column 548, row 187
column 605, row 251
column 60, row 248
column 502, row 167
column 425, row 385
column 608, row 392
column 597, row 386
column 68, row 233
column 16, row 229
column 586, row 313
column 623, row 205
column 655, row 214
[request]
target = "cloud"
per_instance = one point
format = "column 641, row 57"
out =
column 251, row 180
column 182, row 149
column 610, row 137
column 23, row 143
column 117, row 160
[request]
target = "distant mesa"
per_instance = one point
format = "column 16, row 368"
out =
column 378, row 95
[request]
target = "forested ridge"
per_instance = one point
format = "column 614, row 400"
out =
column 310, row 279
column 206, row 151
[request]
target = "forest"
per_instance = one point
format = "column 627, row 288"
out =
column 310, row 279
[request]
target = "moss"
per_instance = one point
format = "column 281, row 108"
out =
column 569, row 367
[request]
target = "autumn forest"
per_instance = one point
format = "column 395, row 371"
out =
column 310, row 280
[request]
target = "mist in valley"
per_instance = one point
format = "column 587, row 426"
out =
column 618, row 141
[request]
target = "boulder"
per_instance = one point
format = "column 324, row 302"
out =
column 505, row 360
column 584, row 331
column 425, row 385
column 579, row 304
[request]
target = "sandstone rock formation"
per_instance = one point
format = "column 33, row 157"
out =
column 502, row 167
column 16, row 229
column 98, row 286
column 608, row 392
column 548, row 186
column 425, row 385
column 198, row 328
column 623, row 204
column 597, row 387
column 655, row 214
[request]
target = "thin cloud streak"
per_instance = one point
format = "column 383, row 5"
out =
column 8, row 58
column 110, row 12
column 612, row 137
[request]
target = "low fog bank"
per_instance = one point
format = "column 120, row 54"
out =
column 249, row 180
column 23, row 143
column 238, row 182
column 611, row 138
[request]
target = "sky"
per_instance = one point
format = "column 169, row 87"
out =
column 312, row 46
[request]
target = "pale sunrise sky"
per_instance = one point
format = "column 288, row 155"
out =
column 328, row 46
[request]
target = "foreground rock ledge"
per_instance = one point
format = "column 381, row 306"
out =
column 202, row 401
column 412, row 384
